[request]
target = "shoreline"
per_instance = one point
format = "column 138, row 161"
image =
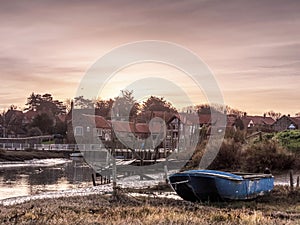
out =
column 30, row 154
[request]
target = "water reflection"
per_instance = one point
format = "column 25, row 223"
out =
column 29, row 180
column 18, row 180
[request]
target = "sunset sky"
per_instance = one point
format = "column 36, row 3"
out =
column 252, row 47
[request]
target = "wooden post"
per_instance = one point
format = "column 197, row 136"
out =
column 291, row 181
column 297, row 182
column 114, row 166
column 166, row 174
column 93, row 178
column 260, row 136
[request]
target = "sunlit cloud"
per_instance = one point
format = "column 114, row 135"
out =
column 252, row 47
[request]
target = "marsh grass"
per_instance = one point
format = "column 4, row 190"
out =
column 278, row 208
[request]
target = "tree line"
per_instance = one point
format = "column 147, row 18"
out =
column 49, row 113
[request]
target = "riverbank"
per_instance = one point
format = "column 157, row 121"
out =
column 22, row 155
column 280, row 207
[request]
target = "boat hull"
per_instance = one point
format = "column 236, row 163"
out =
column 208, row 185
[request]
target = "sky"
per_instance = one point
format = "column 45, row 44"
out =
column 251, row 47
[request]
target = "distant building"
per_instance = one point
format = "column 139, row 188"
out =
column 29, row 117
column 286, row 123
column 13, row 124
column 93, row 129
column 257, row 123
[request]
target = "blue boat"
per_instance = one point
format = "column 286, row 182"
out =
column 212, row 185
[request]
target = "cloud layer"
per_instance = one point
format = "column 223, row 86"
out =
column 252, row 46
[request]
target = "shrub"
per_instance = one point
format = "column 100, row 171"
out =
column 229, row 156
column 255, row 156
column 267, row 153
column 193, row 163
column 289, row 139
column 35, row 131
column 237, row 135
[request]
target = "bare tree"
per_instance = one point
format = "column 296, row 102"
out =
column 274, row 115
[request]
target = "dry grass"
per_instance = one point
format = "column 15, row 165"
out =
column 279, row 208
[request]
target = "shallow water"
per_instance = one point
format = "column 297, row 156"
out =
column 284, row 178
column 38, row 176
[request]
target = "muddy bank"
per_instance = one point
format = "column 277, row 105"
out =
column 278, row 208
column 23, row 155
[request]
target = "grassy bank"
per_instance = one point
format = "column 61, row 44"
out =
column 239, row 153
column 29, row 155
column 279, row 208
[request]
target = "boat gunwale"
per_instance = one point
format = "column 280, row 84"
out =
column 195, row 174
column 238, row 176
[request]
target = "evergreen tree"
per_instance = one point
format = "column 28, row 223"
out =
column 154, row 103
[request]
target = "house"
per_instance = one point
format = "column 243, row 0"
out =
column 257, row 123
column 145, row 117
column 2, row 130
column 180, row 128
column 184, row 128
column 82, row 131
column 286, row 123
column 12, row 124
column 93, row 129
column 29, row 117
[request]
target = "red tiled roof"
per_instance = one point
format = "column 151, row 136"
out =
column 100, row 122
column 142, row 128
column 123, row 126
column 13, row 114
column 257, row 120
column 62, row 117
column 296, row 120
column 30, row 114
column 190, row 119
column 151, row 114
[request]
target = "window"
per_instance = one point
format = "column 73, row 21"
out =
column 78, row 131
column 98, row 132
column 292, row 127
column 251, row 124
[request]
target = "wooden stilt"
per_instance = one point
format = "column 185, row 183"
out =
column 94, row 181
column 291, row 181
